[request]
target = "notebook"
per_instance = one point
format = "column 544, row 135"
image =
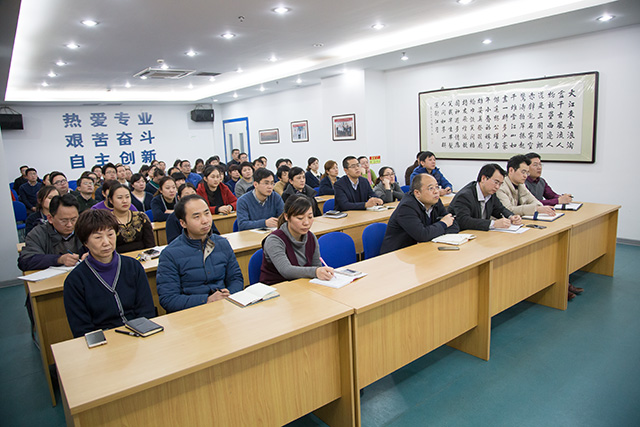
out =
column 253, row 294
column 543, row 217
column 143, row 326
column 454, row 239
column 568, row 206
column 334, row 214
column 341, row 277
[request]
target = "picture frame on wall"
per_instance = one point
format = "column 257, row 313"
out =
column 269, row 136
column 343, row 127
column 300, row 131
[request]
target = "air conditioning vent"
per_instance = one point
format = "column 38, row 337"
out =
column 159, row 73
column 206, row 74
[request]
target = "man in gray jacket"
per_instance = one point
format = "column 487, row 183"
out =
column 55, row 242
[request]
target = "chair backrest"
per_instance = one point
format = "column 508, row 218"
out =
column 405, row 188
column 235, row 225
column 337, row 249
column 73, row 185
column 372, row 237
column 316, row 189
column 15, row 194
column 149, row 214
column 328, row 205
column 255, row 262
column 19, row 211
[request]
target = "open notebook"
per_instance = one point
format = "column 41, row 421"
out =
column 253, row 294
column 341, row 277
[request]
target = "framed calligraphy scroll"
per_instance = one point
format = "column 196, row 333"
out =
column 553, row 116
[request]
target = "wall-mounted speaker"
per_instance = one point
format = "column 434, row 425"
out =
column 202, row 115
column 11, row 121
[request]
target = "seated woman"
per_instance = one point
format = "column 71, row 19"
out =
column 106, row 289
column 165, row 199
column 297, row 185
column 104, row 204
column 173, row 227
column 140, row 198
column 292, row 251
column 329, row 178
column 283, row 179
column 313, row 175
column 386, row 186
column 43, row 198
column 218, row 196
column 135, row 232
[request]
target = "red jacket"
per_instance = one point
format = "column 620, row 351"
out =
column 227, row 196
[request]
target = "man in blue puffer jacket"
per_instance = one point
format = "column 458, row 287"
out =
column 428, row 165
column 198, row 267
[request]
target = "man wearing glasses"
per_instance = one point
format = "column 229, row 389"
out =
column 513, row 193
column 475, row 204
column 55, row 242
column 59, row 180
column 352, row 191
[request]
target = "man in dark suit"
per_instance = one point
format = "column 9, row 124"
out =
column 352, row 191
column 419, row 217
column 475, row 204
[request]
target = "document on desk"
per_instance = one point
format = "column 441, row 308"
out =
column 379, row 208
column 46, row 274
column 339, row 279
column 544, row 217
column 454, row 239
column 253, row 294
column 515, row 229
column 568, row 206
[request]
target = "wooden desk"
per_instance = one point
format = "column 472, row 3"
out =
column 219, row 364
column 224, row 224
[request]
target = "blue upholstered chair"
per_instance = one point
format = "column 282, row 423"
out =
column 255, row 262
column 337, row 249
column 372, row 237
column 328, row 205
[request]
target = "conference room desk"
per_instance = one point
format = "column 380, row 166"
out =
column 416, row 299
column 50, row 318
column 218, row 364
column 224, row 224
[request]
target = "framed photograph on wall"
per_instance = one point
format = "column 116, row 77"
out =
column 343, row 127
column 300, row 131
column 269, row 136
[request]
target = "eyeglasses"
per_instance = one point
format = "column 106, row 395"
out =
column 354, row 166
column 61, row 182
column 389, row 174
column 524, row 172
column 67, row 220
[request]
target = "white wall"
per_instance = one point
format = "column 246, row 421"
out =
column 8, row 255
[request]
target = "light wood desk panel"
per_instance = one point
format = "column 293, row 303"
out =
column 262, row 365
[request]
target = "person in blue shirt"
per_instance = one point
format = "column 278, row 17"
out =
column 198, row 267
column 261, row 207
column 353, row 192
column 28, row 191
column 428, row 165
column 185, row 168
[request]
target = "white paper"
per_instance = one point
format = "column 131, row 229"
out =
column 338, row 280
column 46, row 274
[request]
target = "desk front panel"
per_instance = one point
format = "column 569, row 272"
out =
column 594, row 240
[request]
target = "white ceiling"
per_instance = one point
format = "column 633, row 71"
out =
column 134, row 34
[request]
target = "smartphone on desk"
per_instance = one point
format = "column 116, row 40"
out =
column 95, row 338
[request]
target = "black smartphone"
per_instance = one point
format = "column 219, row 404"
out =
column 95, row 338
column 541, row 227
column 448, row 248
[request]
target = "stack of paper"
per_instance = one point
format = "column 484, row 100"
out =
column 453, row 239
column 544, row 217
column 516, row 229
column 46, row 274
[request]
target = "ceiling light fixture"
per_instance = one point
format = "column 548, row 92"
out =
column 215, row 100
column 404, row 57
column 127, row 85
column 262, row 89
column 273, row 58
column 235, row 95
column 486, row 41
column 212, row 79
column 164, row 66
column 191, row 53
column 89, row 22
column 377, row 26
column 464, row 2
column 52, row 74
column 298, row 80
column 281, row 10
column 45, row 84
column 239, row 70
column 72, row 45
column 190, row 86
column 606, row 17
column 143, row 77
column 227, row 35
column 60, row 63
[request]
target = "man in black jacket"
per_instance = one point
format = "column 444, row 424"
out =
column 419, row 217
column 476, row 203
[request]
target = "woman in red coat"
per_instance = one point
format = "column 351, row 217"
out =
column 215, row 192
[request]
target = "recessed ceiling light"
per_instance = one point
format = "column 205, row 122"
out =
column 273, row 58
column 215, row 100
column 191, row 53
column 318, row 44
column 606, row 17
column 404, row 57
column 212, row 79
column 190, row 86
column 377, row 26
column 239, row 70
column 486, row 41
column 235, row 95
column 464, row 1
column 143, row 77
column 89, row 22
column 262, row 89
column 127, row 85
column 281, row 10
column 72, row 45
column 227, row 35
column 298, row 80
column 164, row 66
column 45, row 84
column 60, row 63
column 52, row 74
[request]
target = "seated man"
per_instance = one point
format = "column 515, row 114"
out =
column 59, row 180
column 28, row 191
column 234, row 176
column 84, row 193
column 475, row 204
column 514, row 194
column 352, row 191
column 197, row 267
column 245, row 183
column 22, row 179
column 155, row 175
column 428, row 165
column 262, row 206
column 419, row 217
column 539, row 187
column 185, row 168
column 54, row 243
